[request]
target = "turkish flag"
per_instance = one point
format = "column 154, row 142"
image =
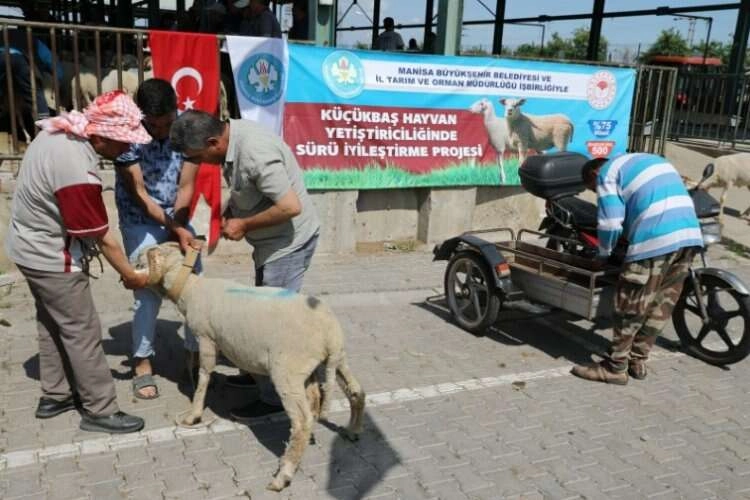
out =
column 190, row 61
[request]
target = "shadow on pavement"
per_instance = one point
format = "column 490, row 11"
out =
column 556, row 333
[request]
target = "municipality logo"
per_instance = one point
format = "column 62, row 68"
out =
column 261, row 79
column 344, row 74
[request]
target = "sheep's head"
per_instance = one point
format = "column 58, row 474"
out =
column 512, row 107
column 163, row 263
column 480, row 107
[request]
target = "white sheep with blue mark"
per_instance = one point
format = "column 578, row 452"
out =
column 267, row 331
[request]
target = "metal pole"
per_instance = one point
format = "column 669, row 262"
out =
column 541, row 50
column 708, row 38
column 497, row 37
column 428, row 9
column 375, row 21
column 595, row 32
column 11, row 95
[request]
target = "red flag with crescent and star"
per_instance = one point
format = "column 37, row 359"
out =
column 190, row 61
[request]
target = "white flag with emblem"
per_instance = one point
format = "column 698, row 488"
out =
column 260, row 66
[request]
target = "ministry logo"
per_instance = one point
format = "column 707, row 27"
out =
column 344, row 74
column 261, row 79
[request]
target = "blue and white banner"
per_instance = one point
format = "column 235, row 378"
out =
column 259, row 67
column 374, row 120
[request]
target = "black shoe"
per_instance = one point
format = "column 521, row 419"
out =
column 118, row 423
column 258, row 409
column 241, row 381
column 49, row 408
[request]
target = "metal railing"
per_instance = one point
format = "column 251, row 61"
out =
column 713, row 109
column 82, row 53
column 651, row 115
column 666, row 105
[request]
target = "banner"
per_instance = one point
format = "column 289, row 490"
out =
column 191, row 63
column 373, row 120
column 259, row 68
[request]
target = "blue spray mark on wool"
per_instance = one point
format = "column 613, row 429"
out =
column 260, row 292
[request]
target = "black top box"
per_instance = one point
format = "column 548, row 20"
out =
column 553, row 176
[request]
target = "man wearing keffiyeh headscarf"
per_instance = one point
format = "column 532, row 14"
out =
column 58, row 225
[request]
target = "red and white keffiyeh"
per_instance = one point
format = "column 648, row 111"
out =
column 112, row 115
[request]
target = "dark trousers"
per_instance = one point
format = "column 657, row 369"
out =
column 70, row 339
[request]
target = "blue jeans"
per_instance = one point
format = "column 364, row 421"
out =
column 135, row 238
column 286, row 272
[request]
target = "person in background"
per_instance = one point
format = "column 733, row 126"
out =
column 642, row 197
column 58, row 226
column 20, row 57
column 389, row 39
column 153, row 192
column 269, row 207
column 300, row 21
column 413, row 47
column 258, row 20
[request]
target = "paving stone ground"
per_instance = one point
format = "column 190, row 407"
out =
column 450, row 415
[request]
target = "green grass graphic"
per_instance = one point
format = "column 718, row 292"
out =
column 377, row 177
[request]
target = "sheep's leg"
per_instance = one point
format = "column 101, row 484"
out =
column 747, row 210
column 297, row 407
column 332, row 364
column 501, row 161
column 522, row 155
column 312, row 391
column 721, row 204
column 356, row 397
column 208, row 363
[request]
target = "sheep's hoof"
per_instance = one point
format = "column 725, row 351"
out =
column 186, row 420
column 279, row 483
column 350, row 435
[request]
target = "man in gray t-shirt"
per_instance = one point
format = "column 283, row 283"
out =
column 389, row 40
column 268, row 206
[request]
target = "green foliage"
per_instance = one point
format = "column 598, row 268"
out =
column 715, row 49
column 476, row 50
column 377, row 177
column 669, row 43
column 557, row 47
column 528, row 50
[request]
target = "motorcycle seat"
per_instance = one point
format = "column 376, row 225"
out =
column 582, row 212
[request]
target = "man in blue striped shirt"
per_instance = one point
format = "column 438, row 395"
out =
column 642, row 199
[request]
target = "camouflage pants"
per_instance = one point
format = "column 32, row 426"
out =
column 646, row 293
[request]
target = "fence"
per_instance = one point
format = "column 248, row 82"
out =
column 651, row 116
column 70, row 77
column 78, row 54
column 712, row 108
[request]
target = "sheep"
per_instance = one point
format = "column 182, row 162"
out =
column 497, row 130
column 109, row 82
column 539, row 132
column 729, row 171
column 264, row 330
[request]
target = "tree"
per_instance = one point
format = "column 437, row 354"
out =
column 528, row 50
column 557, row 47
column 669, row 43
column 579, row 46
column 715, row 49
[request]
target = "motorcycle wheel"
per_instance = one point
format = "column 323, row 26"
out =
column 725, row 339
column 470, row 292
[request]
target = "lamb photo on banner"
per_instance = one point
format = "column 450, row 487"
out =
column 373, row 120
